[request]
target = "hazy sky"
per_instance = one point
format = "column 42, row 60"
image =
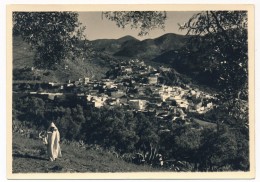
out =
column 98, row 28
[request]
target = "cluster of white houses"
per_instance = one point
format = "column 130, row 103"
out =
column 136, row 87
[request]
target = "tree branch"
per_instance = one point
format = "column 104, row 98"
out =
column 222, row 31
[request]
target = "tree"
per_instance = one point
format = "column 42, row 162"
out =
column 32, row 109
column 187, row 141
column 143, row 20
column 67, row 126
column 218, row 150
column 147, row 129
column 221, row 39
column 55, row 36
column 111, row 128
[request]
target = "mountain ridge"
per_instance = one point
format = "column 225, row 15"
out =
column 147, row 49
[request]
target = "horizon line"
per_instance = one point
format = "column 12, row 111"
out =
column 138, row 36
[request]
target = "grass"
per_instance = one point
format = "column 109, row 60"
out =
column 29, row 156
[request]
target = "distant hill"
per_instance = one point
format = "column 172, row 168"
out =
column 147, row 49
column 112, row 45
column 166, row 49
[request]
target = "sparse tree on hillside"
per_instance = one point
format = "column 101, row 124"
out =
column 55, row 36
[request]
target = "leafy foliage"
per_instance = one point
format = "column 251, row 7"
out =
column 55, row 36
column 187, row 142
column 221, row 148
column 222, row 42
column 143, row 20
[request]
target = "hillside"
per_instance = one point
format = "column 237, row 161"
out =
column 165, row 50
column 105, row 49
column 23, row 61
column 169, row 50
column 29, row 156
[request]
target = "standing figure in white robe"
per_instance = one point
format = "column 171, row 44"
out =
column 53, row 142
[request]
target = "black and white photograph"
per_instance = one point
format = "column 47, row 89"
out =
column 162, row 92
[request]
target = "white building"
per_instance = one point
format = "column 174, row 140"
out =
column 182, row 103
column 164, row 95
column 86, row 80
column 97, row 101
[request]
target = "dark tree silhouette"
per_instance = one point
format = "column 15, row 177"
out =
column 55, row 36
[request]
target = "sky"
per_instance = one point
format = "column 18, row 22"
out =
column 102, row 28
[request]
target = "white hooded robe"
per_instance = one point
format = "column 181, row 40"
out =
column 53, row 145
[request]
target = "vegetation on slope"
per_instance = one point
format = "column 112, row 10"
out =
column 206, row 147
column 29, row 156
column 23, row 61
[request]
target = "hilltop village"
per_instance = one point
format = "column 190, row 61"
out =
column 134, row 86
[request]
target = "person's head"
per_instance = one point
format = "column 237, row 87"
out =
column 52, row 124
column 52, row 127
